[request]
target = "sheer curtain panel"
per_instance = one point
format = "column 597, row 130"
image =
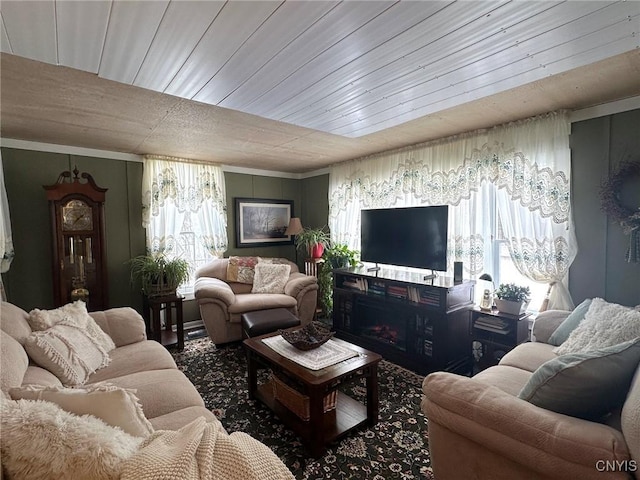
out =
column 184, row 209
column 517, row 174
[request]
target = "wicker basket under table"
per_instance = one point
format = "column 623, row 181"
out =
column 297, row 402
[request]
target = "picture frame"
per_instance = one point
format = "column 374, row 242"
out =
column 261, row 222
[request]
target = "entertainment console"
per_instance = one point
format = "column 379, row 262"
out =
column 419, row 324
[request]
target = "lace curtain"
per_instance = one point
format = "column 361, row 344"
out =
column 6, row 241
column 184, row 209
column 520, row 171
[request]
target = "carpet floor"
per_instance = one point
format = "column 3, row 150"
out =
column 396, row 447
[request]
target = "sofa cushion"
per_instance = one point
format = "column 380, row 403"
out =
column 585, row 385
column 123, row 325
column 506, row 378
column 72, row 314
column 605, row 324
column 137, row 357
column 66, row 351
column 160, row 391
column 630, row 418
column 13, row 362
column 569, row 324
column 528, row 356
column 270, row 278
column 39, row 376
column 249, row 302
column 40, row 440
column 15, row 322
column 241, row 269
column 115, row 406
column 179, row 418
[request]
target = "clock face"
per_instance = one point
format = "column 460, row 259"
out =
column 76, row 216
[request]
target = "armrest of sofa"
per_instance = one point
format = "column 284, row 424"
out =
column 546, row 323
column 526, row 434
column 124, row 325
column 299, row 282
column 209, row 288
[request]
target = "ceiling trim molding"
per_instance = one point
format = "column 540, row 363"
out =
column 611, row 108
column 68, row 150
column 257, row 171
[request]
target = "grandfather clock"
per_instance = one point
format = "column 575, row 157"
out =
column 76, row 206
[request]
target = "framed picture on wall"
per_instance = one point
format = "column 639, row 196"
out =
column 262, row 222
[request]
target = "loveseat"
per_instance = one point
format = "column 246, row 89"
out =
column 170, row 404
column 480, row 429
column 225, row 289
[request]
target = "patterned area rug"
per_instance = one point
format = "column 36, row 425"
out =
column 394, row 448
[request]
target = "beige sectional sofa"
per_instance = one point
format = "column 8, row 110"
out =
column 169, row 400
column 480, row 429
column 178, row 438
column 223, row 301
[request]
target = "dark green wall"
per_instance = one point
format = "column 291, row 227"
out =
column 597, row 147
column 28, row 283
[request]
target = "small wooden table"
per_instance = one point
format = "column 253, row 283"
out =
column 321, row 428
column 152, row 306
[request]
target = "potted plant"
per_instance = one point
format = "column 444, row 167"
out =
column 313, row 241
column 511, row 298
column 335, row 256
column 157, row 274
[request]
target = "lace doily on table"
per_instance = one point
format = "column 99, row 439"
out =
column 324, row 356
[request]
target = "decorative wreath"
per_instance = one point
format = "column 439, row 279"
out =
column 628, row 217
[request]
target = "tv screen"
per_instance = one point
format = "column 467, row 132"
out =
column 410, row 237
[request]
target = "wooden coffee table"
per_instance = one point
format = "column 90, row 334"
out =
column 321, row 428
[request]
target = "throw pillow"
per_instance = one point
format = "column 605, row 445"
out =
column 40, row 440
column 569, row 324
column 74, row 313
column 115, row 406
column 67, row 351
column 586, row 385
column 605, row 324
column 270, row 278
column 241, row 269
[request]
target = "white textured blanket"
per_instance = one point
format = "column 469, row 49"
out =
column 204, row 451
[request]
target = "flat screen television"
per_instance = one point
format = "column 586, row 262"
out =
column 410, row 237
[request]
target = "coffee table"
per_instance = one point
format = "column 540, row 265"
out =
column 322, row 427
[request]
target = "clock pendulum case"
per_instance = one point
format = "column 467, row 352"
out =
column 76, row 205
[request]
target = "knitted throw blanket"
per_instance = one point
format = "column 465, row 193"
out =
column 203, row 451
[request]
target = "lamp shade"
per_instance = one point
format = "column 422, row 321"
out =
column 295, row 226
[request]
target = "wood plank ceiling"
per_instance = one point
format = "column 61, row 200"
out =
column 297, row 85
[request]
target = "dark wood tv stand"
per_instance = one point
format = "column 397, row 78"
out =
column 420, row 324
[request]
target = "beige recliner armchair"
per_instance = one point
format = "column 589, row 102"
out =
column 222, row 302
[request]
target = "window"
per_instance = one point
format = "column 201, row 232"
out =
column 184, row 211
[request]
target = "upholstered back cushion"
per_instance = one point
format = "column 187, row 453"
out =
column 14, row 321
column 13, row 362
column 630, row 418
column 218, row 269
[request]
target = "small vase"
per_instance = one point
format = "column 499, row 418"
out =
column 510, row 307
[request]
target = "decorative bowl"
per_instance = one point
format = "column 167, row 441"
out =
column 308, row 337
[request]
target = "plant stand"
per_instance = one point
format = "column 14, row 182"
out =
column 152, row 307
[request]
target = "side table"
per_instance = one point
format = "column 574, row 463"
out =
column 152, row 306
column 497, row 333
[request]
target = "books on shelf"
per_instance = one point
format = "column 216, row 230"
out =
column 355, row 283
column 397, row 291
column 491, row 324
